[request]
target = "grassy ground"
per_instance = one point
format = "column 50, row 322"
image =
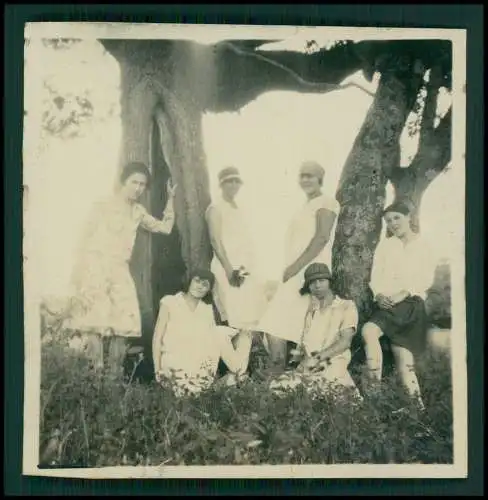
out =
column 88, row 420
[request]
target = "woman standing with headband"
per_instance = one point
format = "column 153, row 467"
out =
column 306, row 242
column 105, row 303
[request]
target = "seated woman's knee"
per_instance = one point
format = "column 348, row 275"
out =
column 371, row 332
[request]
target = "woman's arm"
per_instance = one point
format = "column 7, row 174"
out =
column 423, row 274
column 341, row 344
column 159, row 332
column 380, row 280
column 214, row 223
column 345, row 334
column 324, row 223
column 163, row 226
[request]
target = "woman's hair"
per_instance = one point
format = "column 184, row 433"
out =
column 135, row 167
column 405, row 207
column 305, row 290
column 203, row 274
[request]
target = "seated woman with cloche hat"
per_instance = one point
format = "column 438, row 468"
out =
column 329, row 324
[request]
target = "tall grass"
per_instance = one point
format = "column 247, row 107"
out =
column 90, row 420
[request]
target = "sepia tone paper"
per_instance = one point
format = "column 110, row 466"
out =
column 33, row 261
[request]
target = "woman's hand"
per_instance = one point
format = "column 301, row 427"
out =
column 308, row 364
column 398, row 297
column 384, row 302
column 171, row 189
column 233, row 278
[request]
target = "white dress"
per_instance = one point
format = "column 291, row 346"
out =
column 192, row 346
column 284, row 315
column 239, row 306
column 105, row 300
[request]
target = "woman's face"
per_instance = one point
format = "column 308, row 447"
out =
column 134, row 186
column 309, row 183
column 199, row 287
column 320, row 287
column 397, row 223
column 231, row 187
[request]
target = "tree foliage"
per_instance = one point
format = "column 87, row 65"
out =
column 72, row 100
column 60, row 43
column 65, row 113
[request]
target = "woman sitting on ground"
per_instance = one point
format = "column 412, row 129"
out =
column 187, row 343
column 329, row 326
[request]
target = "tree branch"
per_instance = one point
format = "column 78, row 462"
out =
column 429, row 162
column 441, row 140
column 316, row 86
column 430, row 106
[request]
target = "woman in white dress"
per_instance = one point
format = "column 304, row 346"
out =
column 238, row 293
column 105, row 302
column 187, row 343
column 306, row 242
column 329, row 325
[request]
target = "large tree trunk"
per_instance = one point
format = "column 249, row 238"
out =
column 186, row 160
column 190, row 86
column 362, row 188
column 160, row 87
column 137, row 104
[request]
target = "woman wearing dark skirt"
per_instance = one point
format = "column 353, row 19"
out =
column 403, row 270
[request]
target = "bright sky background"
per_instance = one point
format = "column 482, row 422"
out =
column 266, row 140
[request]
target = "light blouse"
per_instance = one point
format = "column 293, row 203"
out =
column 398, row 266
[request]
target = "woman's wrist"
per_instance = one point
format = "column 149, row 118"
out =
column 323, row 356
column 169, row 212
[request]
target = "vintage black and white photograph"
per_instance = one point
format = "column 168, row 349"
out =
column 244, row 246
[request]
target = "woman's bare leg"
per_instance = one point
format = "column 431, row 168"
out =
column 371, row 335
column 93, row 343
column 116, row 355
column 405, row 364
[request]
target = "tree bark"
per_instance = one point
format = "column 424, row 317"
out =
column 245, row 72
column 410, row 183
column 180, row 120
column 137, row 103
column 362, row 187
column 432, row 157
column 166, row 93
column 187, row 163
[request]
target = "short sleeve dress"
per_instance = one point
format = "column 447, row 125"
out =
column 321, row 329
column 190, row 348
column 284, row 315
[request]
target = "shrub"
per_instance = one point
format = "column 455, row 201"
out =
column 438, row 301
column 89, row 420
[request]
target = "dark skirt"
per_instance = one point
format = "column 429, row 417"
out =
column 405, row 324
